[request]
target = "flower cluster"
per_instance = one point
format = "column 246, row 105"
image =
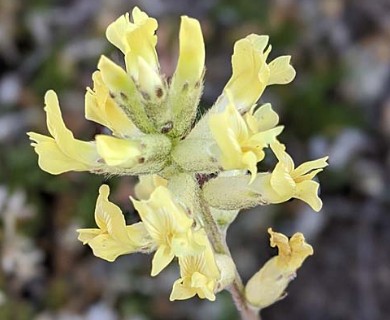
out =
column 194, row 176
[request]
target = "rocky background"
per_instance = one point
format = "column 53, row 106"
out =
column 338, row 105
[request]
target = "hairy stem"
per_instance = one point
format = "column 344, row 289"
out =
column 218, row 241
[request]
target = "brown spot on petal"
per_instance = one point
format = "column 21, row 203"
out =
column 167, row 127
column 159, row 92
column 124, row 96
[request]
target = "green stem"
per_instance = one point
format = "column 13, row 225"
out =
column 218, row 241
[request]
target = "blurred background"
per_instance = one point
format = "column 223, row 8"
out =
column 338, row 105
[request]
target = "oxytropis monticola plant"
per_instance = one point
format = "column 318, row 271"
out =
column 194, row 176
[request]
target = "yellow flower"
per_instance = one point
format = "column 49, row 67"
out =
column 62, row 152
column 286, row 181
column 241, row 140
column 113, row 237
column 268, row 285
column 251, row 72
column 199, row 276
column 102, row 109
column 170, row 227
column 137, row 40
column 190, row 65
column 147, row 184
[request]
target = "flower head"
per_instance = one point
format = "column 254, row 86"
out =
column 113, row 237
column 252, row 73
column 241, row 139
column 62, row 152
column 286, row 181
column 268, row 285
column 199, row 276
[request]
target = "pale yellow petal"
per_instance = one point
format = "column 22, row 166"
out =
column 181, row 292
column 267, row 286
column 262, row 186
column 300, row 250
column 149, row 80
column 250, row 72
column 147, row 184
column 250, row 161
column 138, row 15
column 118, row 152
column 204, row 287
column 282, row 182
column 191, row 53
column 199, row 273
column 81, row 151
column 229, row 131
column 284, row 158
column 264, row 138
column 266, row 118
column 86, row 235
column 292, row 252
column 165, row 199
column 139, row 236
column 51, row 158
column 107, row 248
column 281, row 71
column 109, row 217
column 259, row 42
column 282, row 242
column 308, row 176
column 183, row 244
column 117, row 30
column 307, row 191
column 155, row 223
column 162, row 257
column 115, row 78
column 141, row 41
column 167, row 222
column 101, row 108
column 308, row 166
column 137, row 37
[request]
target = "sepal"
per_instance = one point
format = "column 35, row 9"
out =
column 219, row 193
column 195, row 155
column 124, row 92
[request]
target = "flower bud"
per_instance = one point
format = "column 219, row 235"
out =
column 186, row 87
